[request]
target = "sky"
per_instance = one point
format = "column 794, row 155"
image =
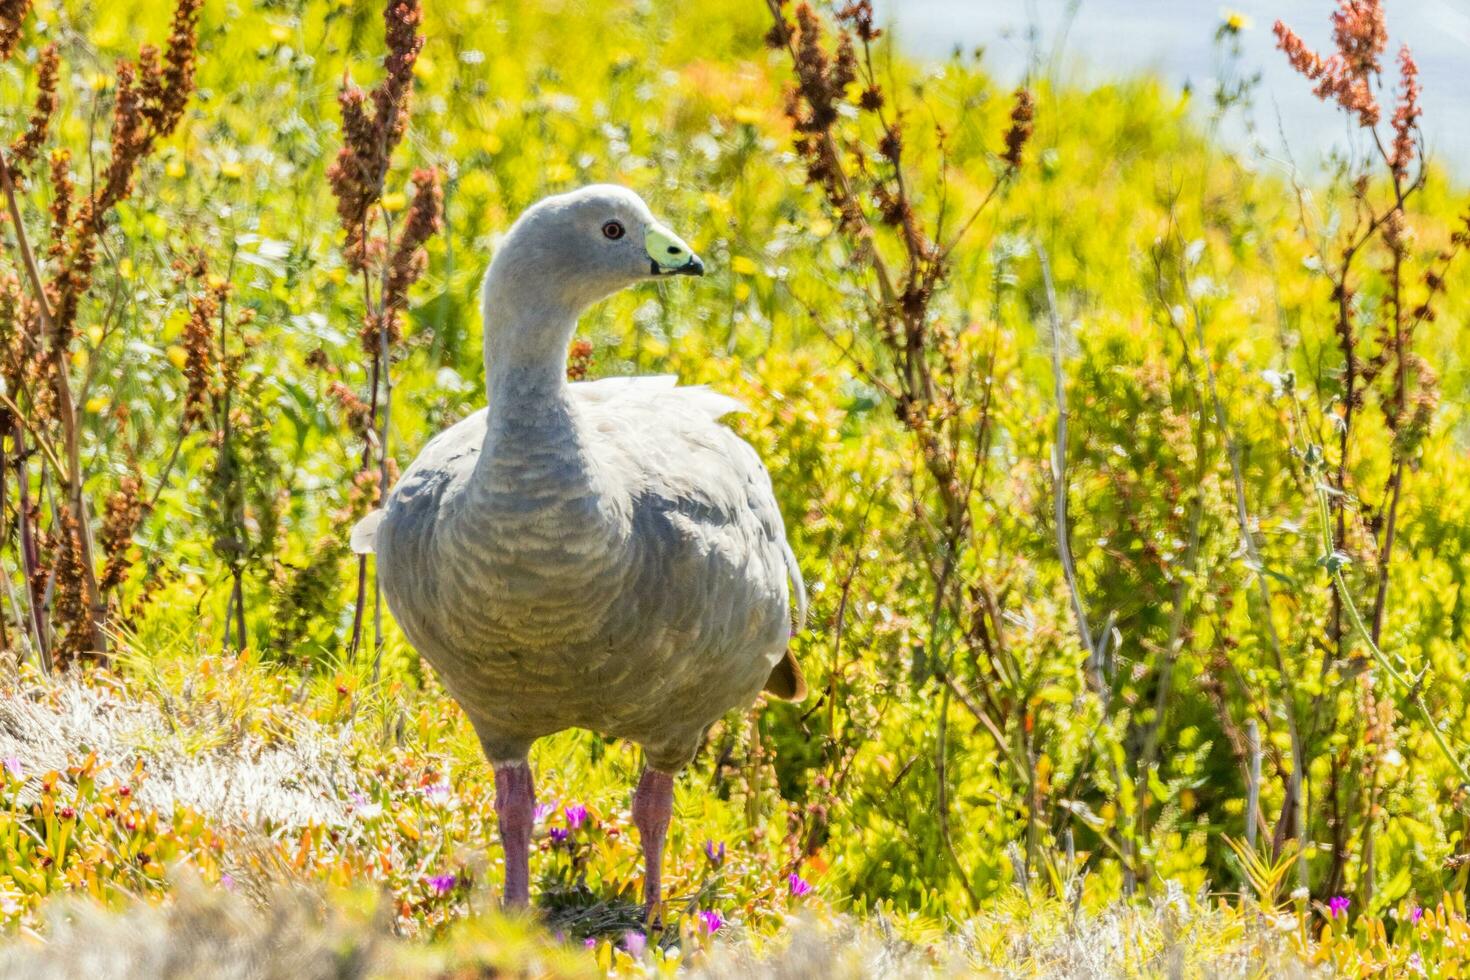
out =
column 1175, row 38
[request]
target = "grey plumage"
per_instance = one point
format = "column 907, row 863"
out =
column 604, row 554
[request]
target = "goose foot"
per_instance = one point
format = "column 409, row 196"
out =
column 653, row 806
column 514, row 801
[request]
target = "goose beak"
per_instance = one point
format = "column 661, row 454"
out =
column 668, row 255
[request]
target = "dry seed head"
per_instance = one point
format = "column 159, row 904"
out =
column 353, row 408
column 71, row 588
column 12, row 19
column 62, row 192
column 198, row 339
column 122, row 514
column 369, row 138
column 409, row 258
column 28, row 144
column 1406, row 115
column 579, row 359
column 1022, row 115
column 1360, row 35
column 859, row 16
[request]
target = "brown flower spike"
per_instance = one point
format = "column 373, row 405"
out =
column 1360, row 35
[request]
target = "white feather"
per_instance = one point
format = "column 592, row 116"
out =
column 660, row 389
column 365, row 533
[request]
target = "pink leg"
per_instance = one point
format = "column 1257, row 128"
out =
column 514, row 798
column 653, row 805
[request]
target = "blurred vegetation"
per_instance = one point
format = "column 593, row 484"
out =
column 931, row 774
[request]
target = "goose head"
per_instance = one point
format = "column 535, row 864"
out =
column 569, row 251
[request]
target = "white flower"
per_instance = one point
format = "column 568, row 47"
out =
column 440, row 794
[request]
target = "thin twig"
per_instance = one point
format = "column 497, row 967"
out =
column 1253, row 781
column 1059, row 481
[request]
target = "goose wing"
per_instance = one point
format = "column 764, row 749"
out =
column 448, row 456
column 666, row 444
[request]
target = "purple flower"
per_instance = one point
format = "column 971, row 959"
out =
column 438, row 794
column 799, row 885
column 715, row 854
column 228, row 881
column 13, row 767
column 442, row 884
column 559, row 835
column 576, row 816
column 1338, row 905
column 542, row 811
column 712, row 920
column 1416, row 912
column 635, row 943
column 590, row 942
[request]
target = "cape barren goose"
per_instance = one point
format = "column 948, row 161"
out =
column 602, row 555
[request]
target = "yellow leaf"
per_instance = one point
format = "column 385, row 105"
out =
column 406, row 824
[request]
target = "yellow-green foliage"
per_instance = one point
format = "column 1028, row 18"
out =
column 1149, row 227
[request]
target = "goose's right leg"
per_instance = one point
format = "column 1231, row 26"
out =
column 514, row 803
column 653, row 806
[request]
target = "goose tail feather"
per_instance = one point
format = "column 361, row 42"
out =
column 786, row 680
column 364, row 538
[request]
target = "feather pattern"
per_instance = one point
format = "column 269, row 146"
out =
column 615, row 561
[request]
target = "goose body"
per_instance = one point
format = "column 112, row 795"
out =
column 604, row 555
column 613, row 561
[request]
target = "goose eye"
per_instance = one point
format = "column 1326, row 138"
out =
column 613, row 230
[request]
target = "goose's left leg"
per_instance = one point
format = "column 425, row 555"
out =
column 514, row 804
column 653, row 806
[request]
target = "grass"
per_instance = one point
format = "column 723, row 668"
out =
column 314, row 880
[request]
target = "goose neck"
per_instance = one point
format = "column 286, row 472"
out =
column 526, row 337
